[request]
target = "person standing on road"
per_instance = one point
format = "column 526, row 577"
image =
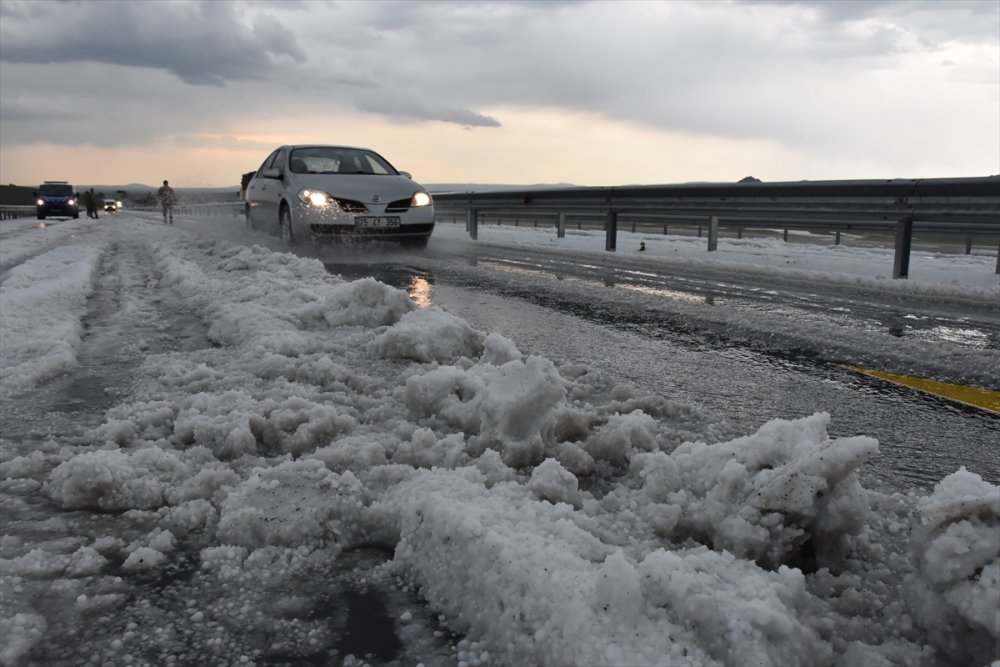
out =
column 167, row 200
column 90, row 203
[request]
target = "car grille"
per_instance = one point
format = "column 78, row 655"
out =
column 350, row 230
column 351, row 206
column 398, row 206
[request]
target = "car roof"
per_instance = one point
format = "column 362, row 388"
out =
column 357, row 148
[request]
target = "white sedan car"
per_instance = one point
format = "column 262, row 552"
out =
column 323, row 193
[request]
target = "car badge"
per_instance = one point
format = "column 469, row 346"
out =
column 376, row 199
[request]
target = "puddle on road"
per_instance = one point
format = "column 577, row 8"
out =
column 417, row 282
column 82, row 393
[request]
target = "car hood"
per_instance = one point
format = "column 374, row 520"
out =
column 359, row 187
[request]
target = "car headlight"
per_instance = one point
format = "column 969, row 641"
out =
column 420, row 199
column 71, row 202
column 40, row 202
column 315, row 198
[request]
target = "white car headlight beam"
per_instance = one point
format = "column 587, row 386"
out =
column 316, row 198
column 420, row 199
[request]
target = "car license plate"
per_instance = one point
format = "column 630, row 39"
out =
column 373, row 221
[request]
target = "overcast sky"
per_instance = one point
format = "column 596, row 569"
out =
column 601, row 93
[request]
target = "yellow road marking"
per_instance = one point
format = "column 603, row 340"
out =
column 979, row 397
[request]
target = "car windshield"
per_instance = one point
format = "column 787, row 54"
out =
column 56, row 189
column 334, row 160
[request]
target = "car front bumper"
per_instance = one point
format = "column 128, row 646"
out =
column 55, row 209
column 330, row 232
column 375, row 224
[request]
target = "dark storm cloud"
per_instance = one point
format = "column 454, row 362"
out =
column 215, row 43
column 954, row 19
column 421, row 109
column 200, row 42
column 13, row 111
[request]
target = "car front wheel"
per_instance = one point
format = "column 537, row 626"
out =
column 285, row 222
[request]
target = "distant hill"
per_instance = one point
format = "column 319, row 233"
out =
column 491, row 187
column 17, row 195
column 207, row 194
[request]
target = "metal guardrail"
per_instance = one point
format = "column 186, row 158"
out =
column 226, row 208
column 969, row 204
column 8, row 212
column 235, row 209
column 649, row 223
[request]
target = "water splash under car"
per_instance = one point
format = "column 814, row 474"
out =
column 317, row 193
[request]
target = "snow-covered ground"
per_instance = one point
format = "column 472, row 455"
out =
column 265, row 421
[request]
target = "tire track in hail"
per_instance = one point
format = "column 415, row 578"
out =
column 130, row 316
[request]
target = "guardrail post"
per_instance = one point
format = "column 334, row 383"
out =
column 968, row 245
column 786, row 235
column 998, row 258
column 472, row 223
column 904, row 239
column 611, row 232
column 561, row 224
column 713, row 233
column 836, row 240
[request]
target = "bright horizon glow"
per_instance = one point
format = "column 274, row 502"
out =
column 535, row 146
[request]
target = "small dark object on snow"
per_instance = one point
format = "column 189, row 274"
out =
column 642, row 246
column 369, row 631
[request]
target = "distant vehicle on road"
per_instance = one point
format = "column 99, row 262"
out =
column 56, row 198
column 112, row 205
column 319, row 193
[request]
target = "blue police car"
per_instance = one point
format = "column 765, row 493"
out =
column 56, row 198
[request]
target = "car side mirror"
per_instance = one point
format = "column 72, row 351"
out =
column 271, row 173
column 406, row 174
